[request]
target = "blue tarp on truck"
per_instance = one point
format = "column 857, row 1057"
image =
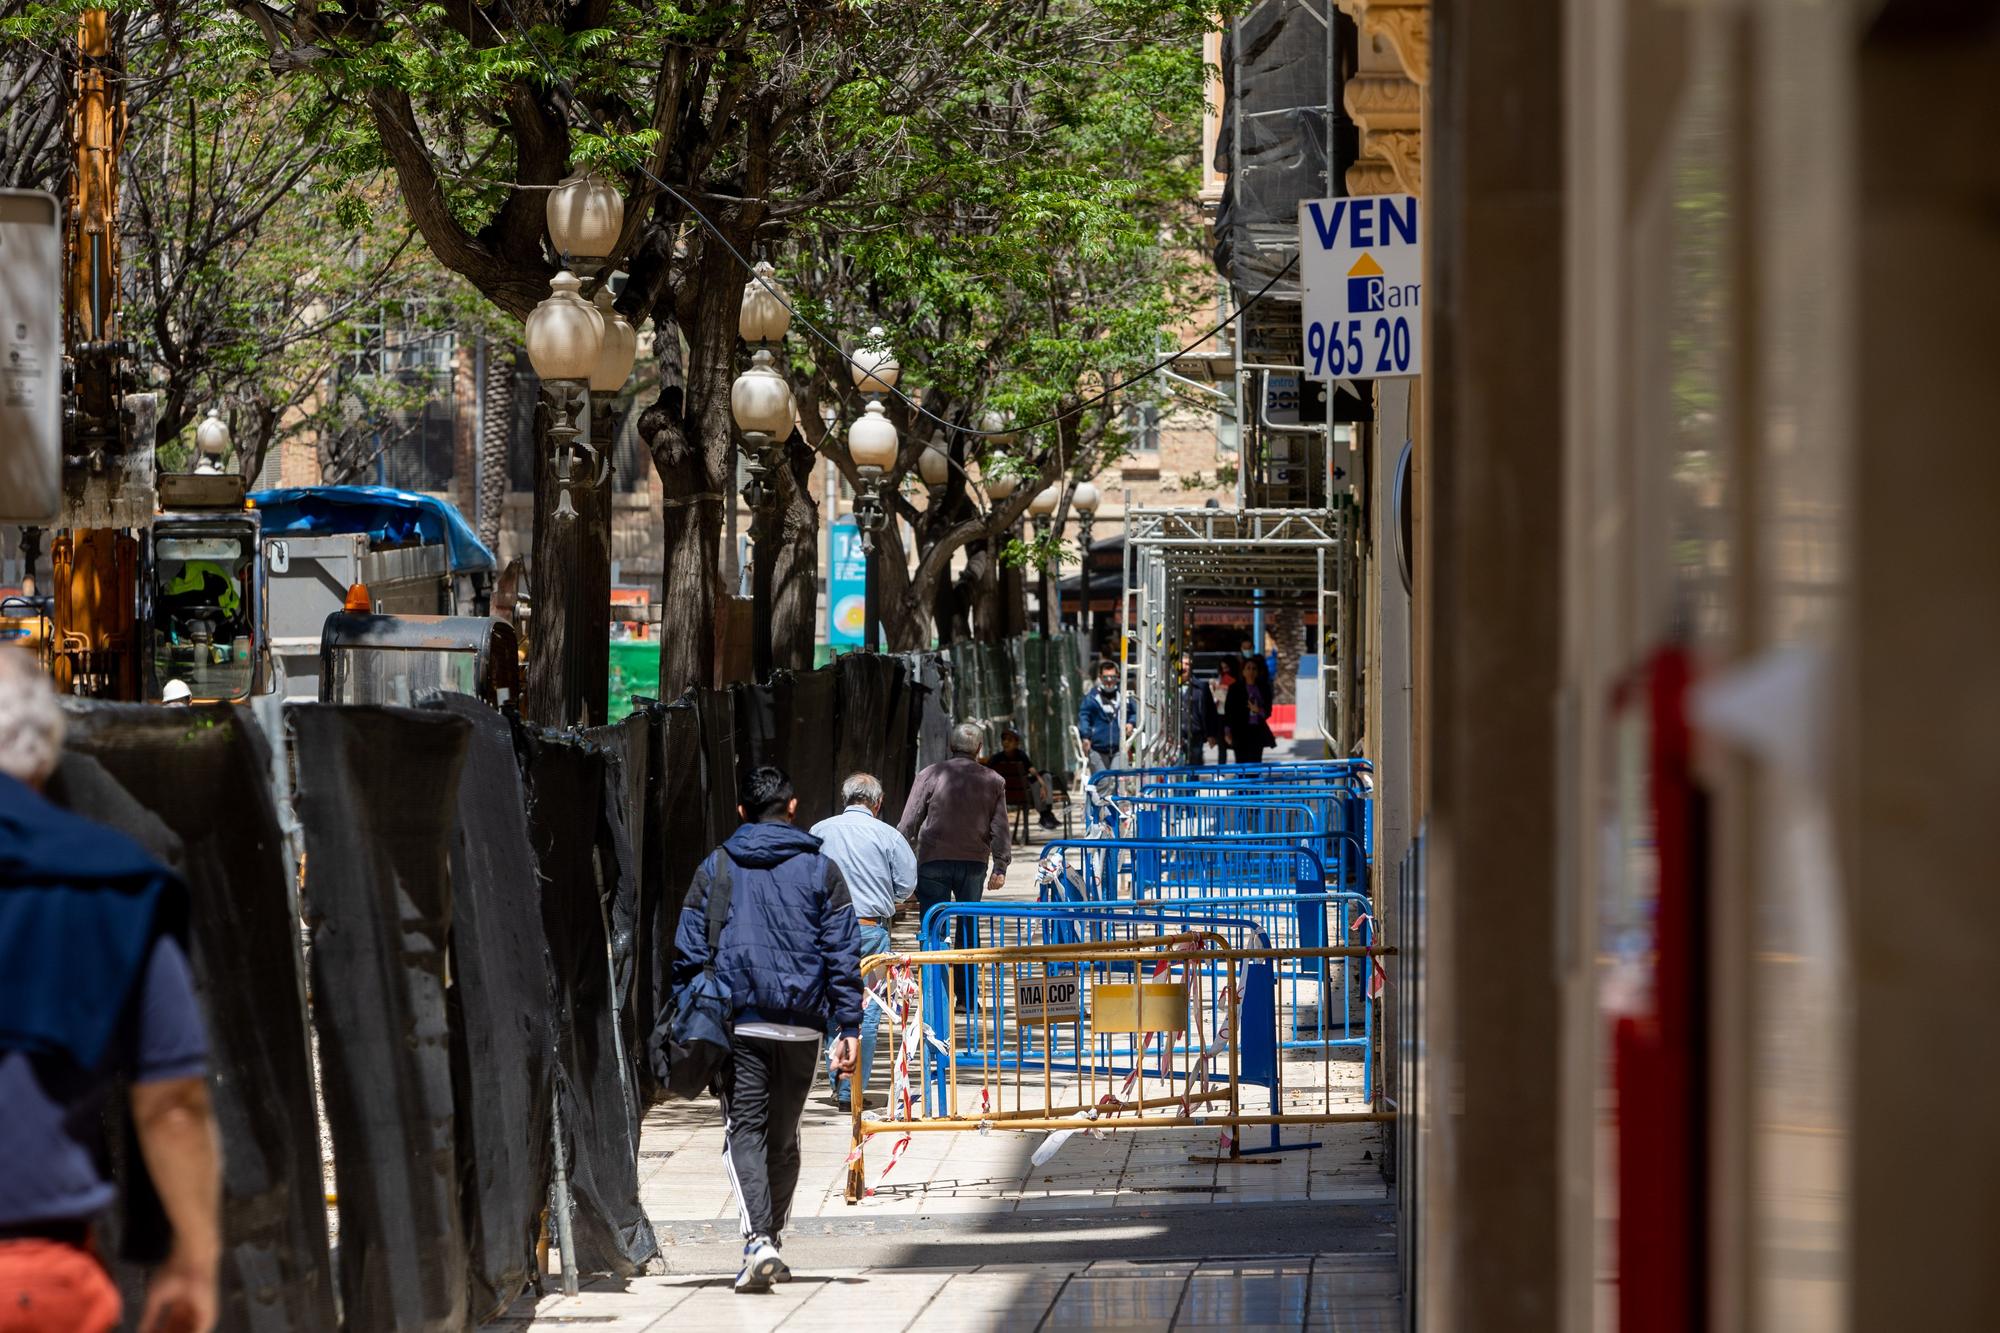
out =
column 389, row 517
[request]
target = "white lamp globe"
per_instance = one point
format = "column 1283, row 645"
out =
column 934, row 464
column 764, row 317
column 1084, row 498
column 760, row 399
column 211, row 437
column 1001, row 487
column 1044, row 502
column 618, row 349
column 585, row 214
column 871, row 440
column 995, row 427
column 875, row 367
column 564, row 333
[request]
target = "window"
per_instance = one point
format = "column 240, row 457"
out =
column 1142, row 427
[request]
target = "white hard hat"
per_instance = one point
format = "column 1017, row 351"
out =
column 177, row 692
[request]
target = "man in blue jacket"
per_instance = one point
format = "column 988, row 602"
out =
column 790, row 956
column 1097, row 717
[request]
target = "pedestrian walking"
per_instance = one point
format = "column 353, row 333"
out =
column 1226, row 675
column 956, row 818
column 1097, row 717
column 1245, row 715
column 95, row 993
column 1199, row 722
column 1025, row 784
column 881, row 872
column 788, row 953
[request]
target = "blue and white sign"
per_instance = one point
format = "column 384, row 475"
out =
column 1361, row 263
column 846, row 585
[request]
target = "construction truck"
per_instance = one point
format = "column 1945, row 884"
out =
column 157, row 579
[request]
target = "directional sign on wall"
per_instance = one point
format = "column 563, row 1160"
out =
column 1361, row 261
column 30, row 357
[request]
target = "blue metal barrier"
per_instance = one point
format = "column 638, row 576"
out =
column 1106, row 869
column 1316, row 994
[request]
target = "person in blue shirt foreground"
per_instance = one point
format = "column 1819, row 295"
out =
column 789, row 955
column 95, row 993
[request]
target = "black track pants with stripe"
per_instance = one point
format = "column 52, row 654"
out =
column 767, row 1085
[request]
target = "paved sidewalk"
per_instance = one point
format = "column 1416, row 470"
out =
column 1355, row 1293
column 1122, row 1231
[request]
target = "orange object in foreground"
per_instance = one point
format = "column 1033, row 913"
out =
column 47, row 1286
column 358, row 599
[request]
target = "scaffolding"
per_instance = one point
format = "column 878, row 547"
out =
column 1179, row 559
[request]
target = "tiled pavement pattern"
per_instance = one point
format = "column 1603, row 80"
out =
column 1353, row 1293
column 940, row 1241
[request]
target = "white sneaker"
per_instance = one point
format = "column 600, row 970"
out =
column 760, row 1265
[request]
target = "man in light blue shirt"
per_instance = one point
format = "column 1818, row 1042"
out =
column 881, row 871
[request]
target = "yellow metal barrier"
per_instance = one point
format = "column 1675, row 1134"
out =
column 1068, row 1037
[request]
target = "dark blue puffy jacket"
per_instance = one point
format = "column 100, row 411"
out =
column 790, row 951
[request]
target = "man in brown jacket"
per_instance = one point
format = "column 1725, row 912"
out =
column 956, row 818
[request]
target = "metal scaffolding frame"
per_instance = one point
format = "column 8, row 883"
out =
column 1177, row 559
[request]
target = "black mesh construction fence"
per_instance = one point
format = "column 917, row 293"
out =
column 502, row 1040
column 378, row 796
column 629, row 746
column 550, row 869
column 880, row 706
column 198, row 778
column 574, row 795
column 938, row 675
column 719, row 759
column 681, row 838
column 1026, row 684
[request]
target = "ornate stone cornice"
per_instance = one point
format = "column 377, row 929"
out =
column 1405, row 25
column 1403, row 150
column 1372, row 175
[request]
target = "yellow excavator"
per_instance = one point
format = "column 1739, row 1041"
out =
column 144, row 596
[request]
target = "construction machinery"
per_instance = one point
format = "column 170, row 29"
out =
column 142, row 595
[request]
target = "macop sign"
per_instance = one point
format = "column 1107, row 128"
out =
column 1361, row 262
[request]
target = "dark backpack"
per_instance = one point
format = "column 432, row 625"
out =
column 691, row 1040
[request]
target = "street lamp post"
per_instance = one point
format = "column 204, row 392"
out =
column 574, row 347
column 872, row 444
column 1042, row 507
column 1084, row 500
column 761, row 402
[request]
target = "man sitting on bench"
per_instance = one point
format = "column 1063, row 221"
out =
column 1025, row 784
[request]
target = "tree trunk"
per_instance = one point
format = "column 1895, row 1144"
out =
column 795, row 572
column 905, row 622
column 496, row 427
column 687, row 430
column 569, row 667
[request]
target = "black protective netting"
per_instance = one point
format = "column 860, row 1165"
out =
column 717, row 711
column 879, row 708
column 939, row 675
column 501, row 1037
column 202, row 773
column 791, row 723
column 572, row 803
column 681, row 837
column 629, row 744
column 377, row 795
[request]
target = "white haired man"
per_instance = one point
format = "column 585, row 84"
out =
column 881, row 873
column 94, row 991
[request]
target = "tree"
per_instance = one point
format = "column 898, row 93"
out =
column 782, row 123
column 1031, row 282
column 249, row 269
